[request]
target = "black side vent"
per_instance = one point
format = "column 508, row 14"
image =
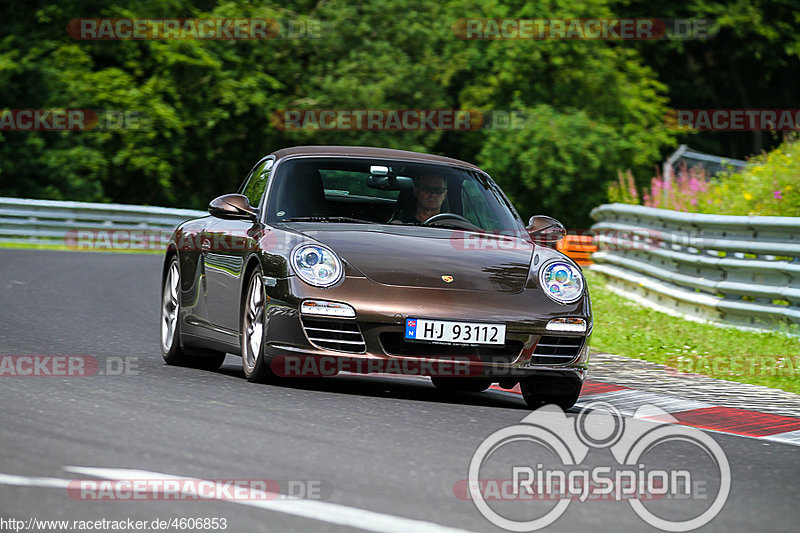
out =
column 339, row 335
column 556, row 350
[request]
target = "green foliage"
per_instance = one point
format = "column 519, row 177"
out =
column 768, row 185
column 554, row 165
column 624, row 189
column 592, row 107
column 750, row 61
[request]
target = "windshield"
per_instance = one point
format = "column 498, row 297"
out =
column 381, row 191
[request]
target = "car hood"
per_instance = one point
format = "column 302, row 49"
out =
column 425, row 257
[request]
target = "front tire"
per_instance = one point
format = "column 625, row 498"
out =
column 254, row 361
column 171, row 349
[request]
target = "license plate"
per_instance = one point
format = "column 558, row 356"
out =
column 420, row 329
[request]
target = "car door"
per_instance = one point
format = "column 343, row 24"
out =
column 226, row 246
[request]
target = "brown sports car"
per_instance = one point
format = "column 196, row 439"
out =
column 343, row 258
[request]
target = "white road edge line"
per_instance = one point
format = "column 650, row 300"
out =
column 331, row 513
column 25, row 481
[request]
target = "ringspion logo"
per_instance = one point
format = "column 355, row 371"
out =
column 542, row 460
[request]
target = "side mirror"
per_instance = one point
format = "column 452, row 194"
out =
column 546, row 229
column 232, row 207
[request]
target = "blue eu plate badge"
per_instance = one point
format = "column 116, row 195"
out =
column 411, row 328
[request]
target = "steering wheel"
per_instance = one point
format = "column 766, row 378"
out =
column 446, row 216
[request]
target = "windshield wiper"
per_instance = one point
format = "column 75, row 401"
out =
column 327, row 219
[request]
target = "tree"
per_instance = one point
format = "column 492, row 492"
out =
column 592, row 107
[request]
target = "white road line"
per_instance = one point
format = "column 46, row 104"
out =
column 331, row 513
column 789, row 437
column 25, row 481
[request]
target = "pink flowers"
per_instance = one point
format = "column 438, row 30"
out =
column 685, row 190
column 765, row 186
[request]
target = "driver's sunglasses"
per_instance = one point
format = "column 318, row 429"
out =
column 432, row 190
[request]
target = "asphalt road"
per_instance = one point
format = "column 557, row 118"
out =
column 382, row 450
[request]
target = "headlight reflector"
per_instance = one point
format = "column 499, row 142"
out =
column 561, row 281
column 317, row 265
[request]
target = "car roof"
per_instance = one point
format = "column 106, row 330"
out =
column 369, row 151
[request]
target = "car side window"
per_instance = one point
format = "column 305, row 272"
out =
column 257, row 182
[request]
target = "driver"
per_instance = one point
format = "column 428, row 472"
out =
column 429, row 193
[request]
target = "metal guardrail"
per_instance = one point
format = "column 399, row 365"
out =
column 742, row 270
column 83, row 225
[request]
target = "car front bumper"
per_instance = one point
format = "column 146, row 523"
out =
column 373, row 340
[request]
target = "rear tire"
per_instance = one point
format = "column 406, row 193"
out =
column 535, row 398
column 171, row 349
column 461, row 384
column 254, row 361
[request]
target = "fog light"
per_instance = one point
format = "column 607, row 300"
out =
column 323, row 308
column 570, row 325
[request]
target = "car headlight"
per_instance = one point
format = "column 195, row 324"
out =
column 562, row 282
column 317, row 265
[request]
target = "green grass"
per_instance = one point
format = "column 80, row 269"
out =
column 624, row 327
